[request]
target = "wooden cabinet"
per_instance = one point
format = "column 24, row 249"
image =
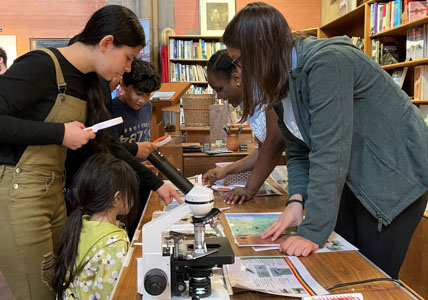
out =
column 357, row 23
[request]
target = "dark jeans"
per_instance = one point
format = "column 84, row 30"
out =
column 387, row 249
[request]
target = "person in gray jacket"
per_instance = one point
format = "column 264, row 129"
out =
column 357, row 148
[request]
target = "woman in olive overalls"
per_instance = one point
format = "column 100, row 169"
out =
column 43, row 104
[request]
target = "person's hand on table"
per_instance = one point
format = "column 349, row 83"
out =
column 292, row 215
column 238, row 195
column 298, row 246
column 212, row 175
column 145, row 148
column 293, row 245
column 166, row 194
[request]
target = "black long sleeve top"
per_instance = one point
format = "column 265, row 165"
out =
column 28, row 91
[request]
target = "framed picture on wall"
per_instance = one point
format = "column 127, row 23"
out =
column 214, row 15
column 36, row 43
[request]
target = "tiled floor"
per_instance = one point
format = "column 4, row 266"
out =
column 5, row 293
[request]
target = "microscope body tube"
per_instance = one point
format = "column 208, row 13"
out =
column 170, row 172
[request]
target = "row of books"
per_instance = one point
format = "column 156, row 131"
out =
column 387, row 50
column 390, row 50
column 189, row 49
column 200, row 90
column 384, row 16
column 421, row 82
column 358, row 41
column 181, row 72
column 416, row 43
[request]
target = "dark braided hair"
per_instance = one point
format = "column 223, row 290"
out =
column 221, row 64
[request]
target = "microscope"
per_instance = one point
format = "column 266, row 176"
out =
column 166, row 270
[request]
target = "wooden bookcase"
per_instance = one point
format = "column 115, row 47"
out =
column 357, row 23
column 190, row 61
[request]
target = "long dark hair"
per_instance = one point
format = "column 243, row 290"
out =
column 264, row 38
column 124, row 26
column 221, row 64
column 93, row 191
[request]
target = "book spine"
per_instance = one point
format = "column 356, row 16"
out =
column 375, row 9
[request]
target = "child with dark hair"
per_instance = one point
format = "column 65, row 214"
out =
column 93, row 247
column 135, row 108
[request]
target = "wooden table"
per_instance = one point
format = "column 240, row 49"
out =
column 327, row 268
column 414, row 271
column 158, row 125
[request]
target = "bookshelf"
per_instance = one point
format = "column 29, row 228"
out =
column 188, row 56
column 357, row 23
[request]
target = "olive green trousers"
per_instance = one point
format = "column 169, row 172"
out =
column 32, row 215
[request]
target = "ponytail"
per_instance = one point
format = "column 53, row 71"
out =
column 64, row 264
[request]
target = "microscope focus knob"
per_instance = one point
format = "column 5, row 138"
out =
column 155, row 282
column 181, row 287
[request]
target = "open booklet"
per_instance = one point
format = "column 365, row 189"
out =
column 278, row 275
column 248, row 227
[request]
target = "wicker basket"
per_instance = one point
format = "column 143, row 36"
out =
column 196, row 109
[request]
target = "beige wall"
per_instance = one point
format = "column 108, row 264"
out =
column 44, row 19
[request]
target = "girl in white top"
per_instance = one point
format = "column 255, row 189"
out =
column 224, row 77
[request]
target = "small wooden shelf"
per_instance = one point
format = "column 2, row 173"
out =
column 351, row 24
column 400, row 30
column 412, row 63
column 309, row 31
column 419, row 101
